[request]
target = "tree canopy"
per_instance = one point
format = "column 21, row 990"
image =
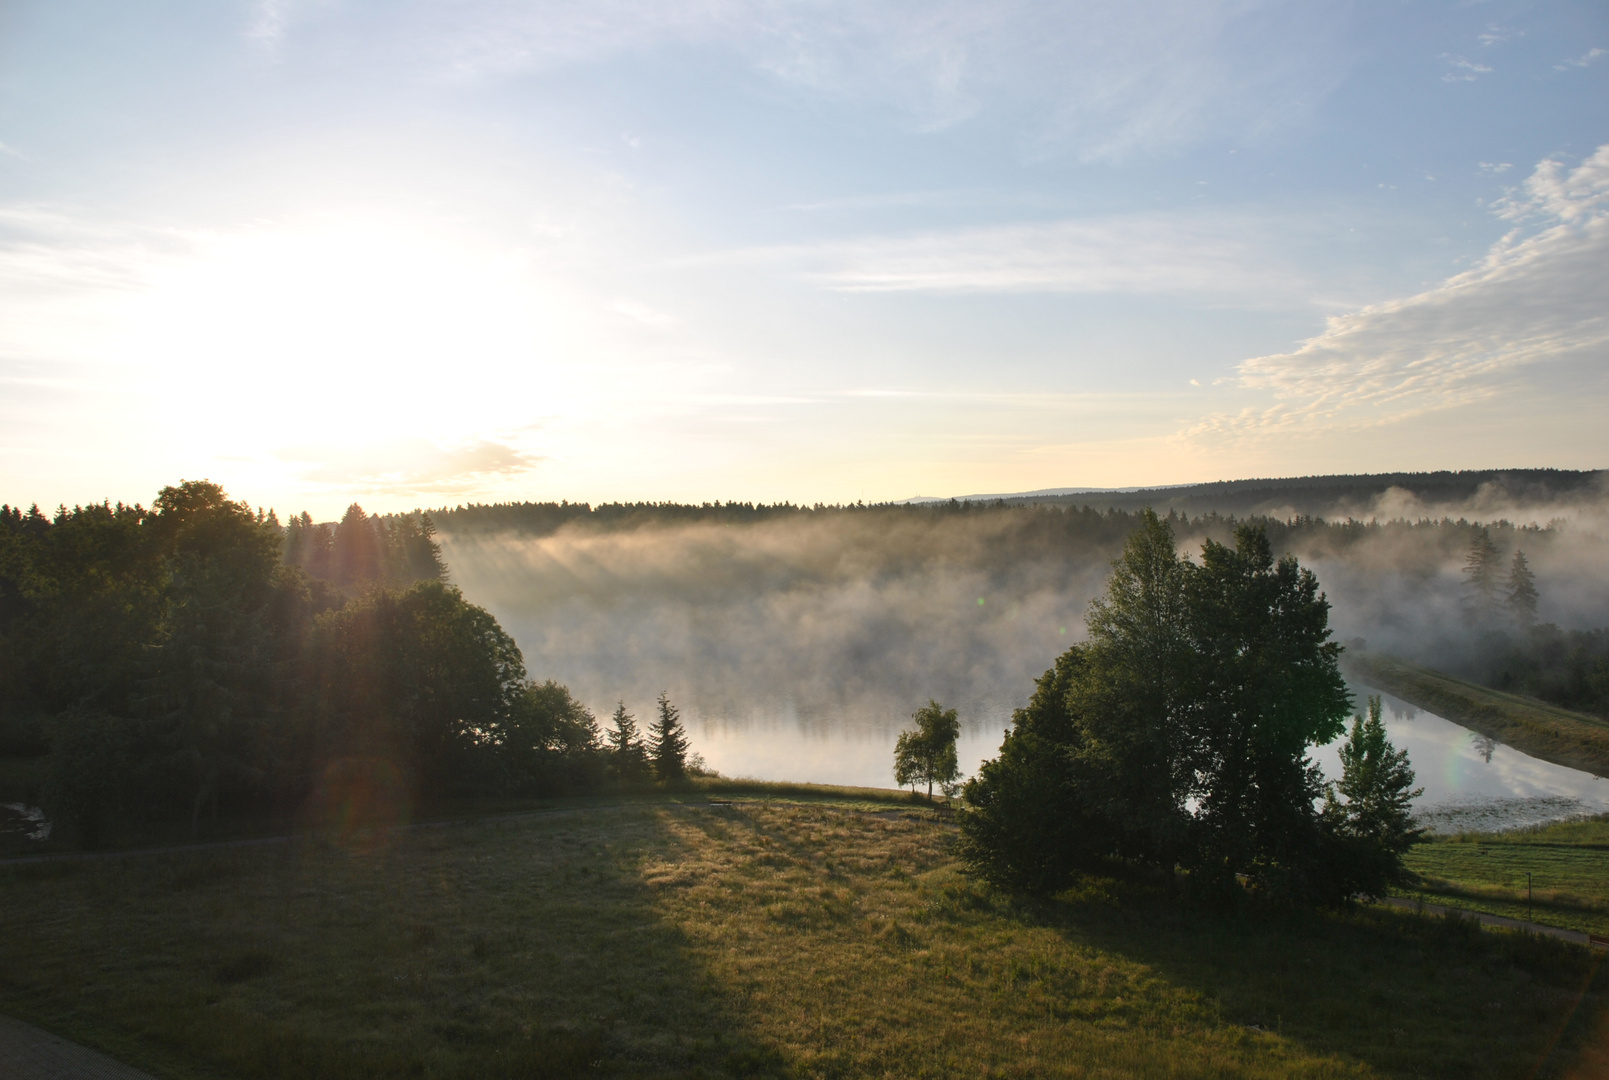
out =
column 1178, row 734
column 927, row 755
column 197, row 655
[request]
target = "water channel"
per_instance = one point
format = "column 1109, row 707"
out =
column 1470, row 782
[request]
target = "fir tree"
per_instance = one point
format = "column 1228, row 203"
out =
column 667, row 742
column 626, row 750
column 1481, row 570
column 1521, row 591
column 1373, row 828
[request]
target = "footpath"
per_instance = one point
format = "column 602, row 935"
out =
column 1503, row 921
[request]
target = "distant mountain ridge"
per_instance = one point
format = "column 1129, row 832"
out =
column 1387, row 494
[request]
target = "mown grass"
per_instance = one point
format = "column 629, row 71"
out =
column 1572, row 739
column 757, row 938
column 1568, row 862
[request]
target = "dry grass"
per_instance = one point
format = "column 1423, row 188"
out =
column 751, row 939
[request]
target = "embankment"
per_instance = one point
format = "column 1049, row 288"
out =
column 1545, row 731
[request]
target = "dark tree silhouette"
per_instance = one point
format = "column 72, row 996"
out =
column 667, row 742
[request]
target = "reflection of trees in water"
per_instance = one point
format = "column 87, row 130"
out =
column 1400, row 710
column 1485, row 745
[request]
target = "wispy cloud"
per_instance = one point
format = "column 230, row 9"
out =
column 1100, row 79
column 1586, row 59
column 1463, row 70
column 407, row 466
column 1150, row 254
column 1536, row 298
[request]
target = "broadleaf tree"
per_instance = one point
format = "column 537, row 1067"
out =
column 927, row 755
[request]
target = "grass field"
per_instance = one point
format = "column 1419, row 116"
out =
column 764, row 938
column 1572, row 739
column 1568, row 862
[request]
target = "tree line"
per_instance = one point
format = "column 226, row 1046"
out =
column 1513, row 649
column 1177, row 737
column 196, row 655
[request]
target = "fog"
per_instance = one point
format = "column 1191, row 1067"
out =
column 798, row 647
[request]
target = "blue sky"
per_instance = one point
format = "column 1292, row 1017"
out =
column 446, row 250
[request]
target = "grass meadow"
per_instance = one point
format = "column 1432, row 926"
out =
column 1568, row 863
column 832, row 937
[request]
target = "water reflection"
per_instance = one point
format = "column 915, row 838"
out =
column 1470, row 781
column 1473, row 782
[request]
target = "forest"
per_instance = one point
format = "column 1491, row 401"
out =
column 196, row 657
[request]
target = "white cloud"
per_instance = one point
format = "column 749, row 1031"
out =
column 1586, row 59
column 1463, row 70
column 1149, row 254
column 1536, row 298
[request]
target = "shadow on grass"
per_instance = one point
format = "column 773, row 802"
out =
column 517, row 949
column 1406, row 994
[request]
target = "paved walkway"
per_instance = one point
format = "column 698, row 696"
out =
column 1489, row 920
column 26, row 1053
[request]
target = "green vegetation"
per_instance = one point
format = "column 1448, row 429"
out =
column 1178, row 736
column 1532, row 727
column 180, row 661
column 759, row 939
column 1568, row 862
column 927, row 755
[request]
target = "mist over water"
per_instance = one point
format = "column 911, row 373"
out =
column 798, row 648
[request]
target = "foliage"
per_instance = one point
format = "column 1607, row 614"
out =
column 172, row 662
column 1368, row 815
column 1481, row 569
column 1178, row 734
column 667, row 742
column 927, row 755
column 1522, row 596
column 628, row 754
column 395, row 550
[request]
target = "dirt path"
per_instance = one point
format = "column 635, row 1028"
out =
column 27, row 1053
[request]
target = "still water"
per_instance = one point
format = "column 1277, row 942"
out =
column 1470, row 782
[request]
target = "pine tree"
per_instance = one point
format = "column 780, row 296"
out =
column 667, row 742
column 1481, row 569
column 1522, row 591
column 626, row 750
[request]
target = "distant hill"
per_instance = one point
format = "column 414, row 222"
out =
column 1361, row 495
column 1485, row 495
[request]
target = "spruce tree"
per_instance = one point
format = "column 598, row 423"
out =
column 667, row 742
column 1521, row 591
column 1481, row 570
column 627, row 753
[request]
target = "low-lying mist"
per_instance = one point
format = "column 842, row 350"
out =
column 801, row 634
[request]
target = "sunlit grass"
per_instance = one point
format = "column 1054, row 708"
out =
column 757, row 938
column 1568, row 863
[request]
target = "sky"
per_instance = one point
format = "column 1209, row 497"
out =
column 427, row 252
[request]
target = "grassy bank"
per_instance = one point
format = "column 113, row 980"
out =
column 1530, row 726
column 764, row 937
column 1568, row 863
